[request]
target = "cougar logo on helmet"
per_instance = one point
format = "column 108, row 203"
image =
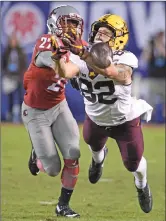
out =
column 57, row 22
column 117, row 25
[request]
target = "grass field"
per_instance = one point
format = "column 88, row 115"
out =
column 114, row 198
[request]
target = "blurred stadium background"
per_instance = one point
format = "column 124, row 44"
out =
column 146, row 20
column 114, row 198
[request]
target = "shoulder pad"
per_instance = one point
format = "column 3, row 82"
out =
column 125, row 57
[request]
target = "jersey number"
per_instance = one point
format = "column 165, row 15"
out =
column 58, row 85
column 55, row 86
column 45, row 43
column 90, row 96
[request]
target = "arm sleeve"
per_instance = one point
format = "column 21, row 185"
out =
column 43, row 59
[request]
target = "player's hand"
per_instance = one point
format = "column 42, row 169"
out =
column 74, row 43
column 58, row 48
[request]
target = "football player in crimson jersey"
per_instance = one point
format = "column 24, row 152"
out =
column 111, row 111
column 46, row 114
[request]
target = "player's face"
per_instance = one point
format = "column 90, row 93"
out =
column 70, row 25
column 104, row 34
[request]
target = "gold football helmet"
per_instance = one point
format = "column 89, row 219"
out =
column 117, row 25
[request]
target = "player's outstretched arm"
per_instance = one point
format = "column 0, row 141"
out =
column 66, row 69
column 96, row 54
column 122, row 73
column 60, row 56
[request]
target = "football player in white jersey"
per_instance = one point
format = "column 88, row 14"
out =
column 111, row 111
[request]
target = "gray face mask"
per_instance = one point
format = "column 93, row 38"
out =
column 63, row 13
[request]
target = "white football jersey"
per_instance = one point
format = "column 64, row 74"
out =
column 108, row 102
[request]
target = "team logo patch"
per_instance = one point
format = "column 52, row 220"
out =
column 92, row 75
column 25, row 113
column 26, row 20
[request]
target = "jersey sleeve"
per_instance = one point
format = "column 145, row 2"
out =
column 127, row 58
column 80, row 63
column 44, row 60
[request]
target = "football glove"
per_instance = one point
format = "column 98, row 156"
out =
column 58, row 48
column 74, row 43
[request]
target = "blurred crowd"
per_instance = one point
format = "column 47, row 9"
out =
column 14, row 63
column 151, row 88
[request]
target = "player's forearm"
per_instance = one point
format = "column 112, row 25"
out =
column 66, row 69
column 120, row 73
column 110, row 72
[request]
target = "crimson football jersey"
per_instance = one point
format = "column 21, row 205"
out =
column 44, row 88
